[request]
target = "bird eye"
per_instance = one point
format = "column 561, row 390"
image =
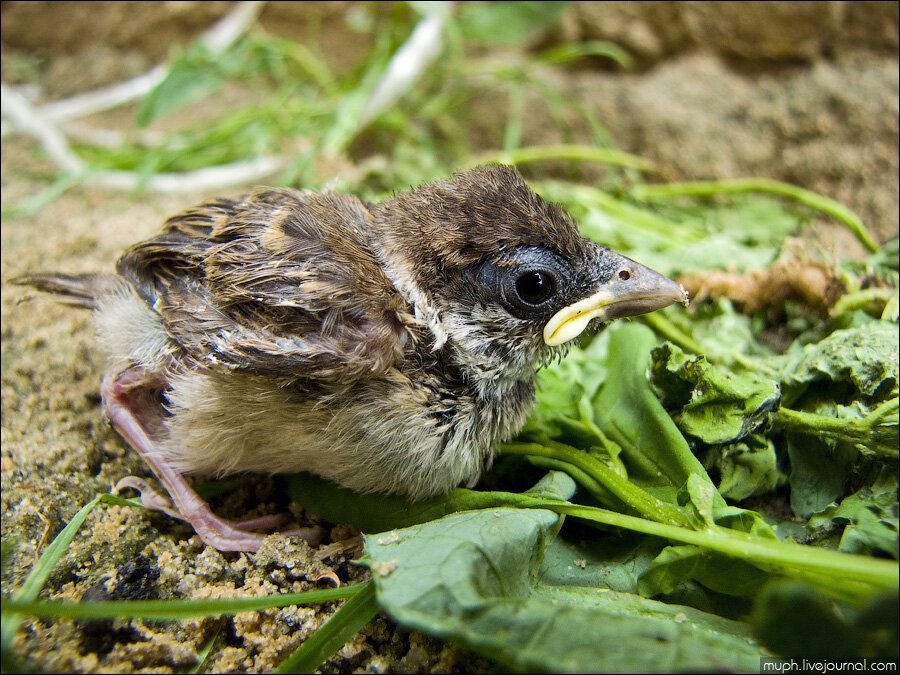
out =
column 530, row 282
column 535, row 287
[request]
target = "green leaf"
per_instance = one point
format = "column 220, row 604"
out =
column 507, row 22
column 744, row 185
column 483, row 579
column 864, row 356
column 629, row 413
column 677, row 564
column 615, row 562
column 819, row 472
column 747, row 468
column 727, row 336
column 744, row 520
column 869, row 516
column 795, row 621
column 716, row 405
column 626, row 429
column 554, row 485
column 191, row 77
column 564, row 391
column 376, row 513
column 702, row 497
column 744, row 234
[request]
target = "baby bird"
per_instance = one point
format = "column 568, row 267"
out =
column 388, row 347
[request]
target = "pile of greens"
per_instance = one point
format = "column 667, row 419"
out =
column 668, row 579
column 706, row 499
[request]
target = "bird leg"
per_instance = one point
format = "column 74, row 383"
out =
column 128, row 408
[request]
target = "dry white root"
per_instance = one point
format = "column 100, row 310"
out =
column 54, row 123
column 44, row 123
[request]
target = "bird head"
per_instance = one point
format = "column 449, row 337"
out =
column 501, row 276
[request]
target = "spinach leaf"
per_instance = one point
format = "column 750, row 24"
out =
column 491, row 580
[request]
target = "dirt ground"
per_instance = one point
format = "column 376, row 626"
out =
column 818, row 109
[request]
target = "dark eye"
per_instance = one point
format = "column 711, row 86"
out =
column 530, row 282
column 536, row 287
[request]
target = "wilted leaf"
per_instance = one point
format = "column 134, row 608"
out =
column 821, row 461
column 746, row 468
column 869, row 516
column 819, row 472
column 723, row 406
column 864, row 356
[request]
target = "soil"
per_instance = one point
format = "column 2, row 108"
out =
column 813, row 107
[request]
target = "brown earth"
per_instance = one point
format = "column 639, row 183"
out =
column 804, row 92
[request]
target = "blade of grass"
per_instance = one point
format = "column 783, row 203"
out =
column 581, row 153
column 571, row 51
column 668, row 232
column 171, row 610
column 343, row 625
column 45, row 564
column 40, row 200
column 204, row 653
column 561, row 106
column 512, row 135
column 740, row 185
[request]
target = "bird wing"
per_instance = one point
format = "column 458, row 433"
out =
column 282, row 283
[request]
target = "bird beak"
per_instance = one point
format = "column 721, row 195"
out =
column 632, row 290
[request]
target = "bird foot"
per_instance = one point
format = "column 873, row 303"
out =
column 222, row 534
column 125, row 405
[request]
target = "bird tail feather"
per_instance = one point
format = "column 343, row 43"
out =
column 81, row 290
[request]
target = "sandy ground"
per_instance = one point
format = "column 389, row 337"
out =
column 831, row 126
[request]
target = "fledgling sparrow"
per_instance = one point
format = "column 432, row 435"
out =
column 388, row 347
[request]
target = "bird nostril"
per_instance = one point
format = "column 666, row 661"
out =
column 624, row 275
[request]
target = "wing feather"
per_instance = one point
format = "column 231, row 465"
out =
column 281, row 283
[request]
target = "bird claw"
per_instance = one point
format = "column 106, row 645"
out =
column 150, row 498
column 223, row 534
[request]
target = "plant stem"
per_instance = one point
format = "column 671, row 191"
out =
column 790, row 558
column 673, row 333
column 630, row 494
column 599, row 493
column 865, row 434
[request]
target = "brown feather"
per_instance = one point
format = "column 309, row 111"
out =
column 280, row 283
column 79, row 290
